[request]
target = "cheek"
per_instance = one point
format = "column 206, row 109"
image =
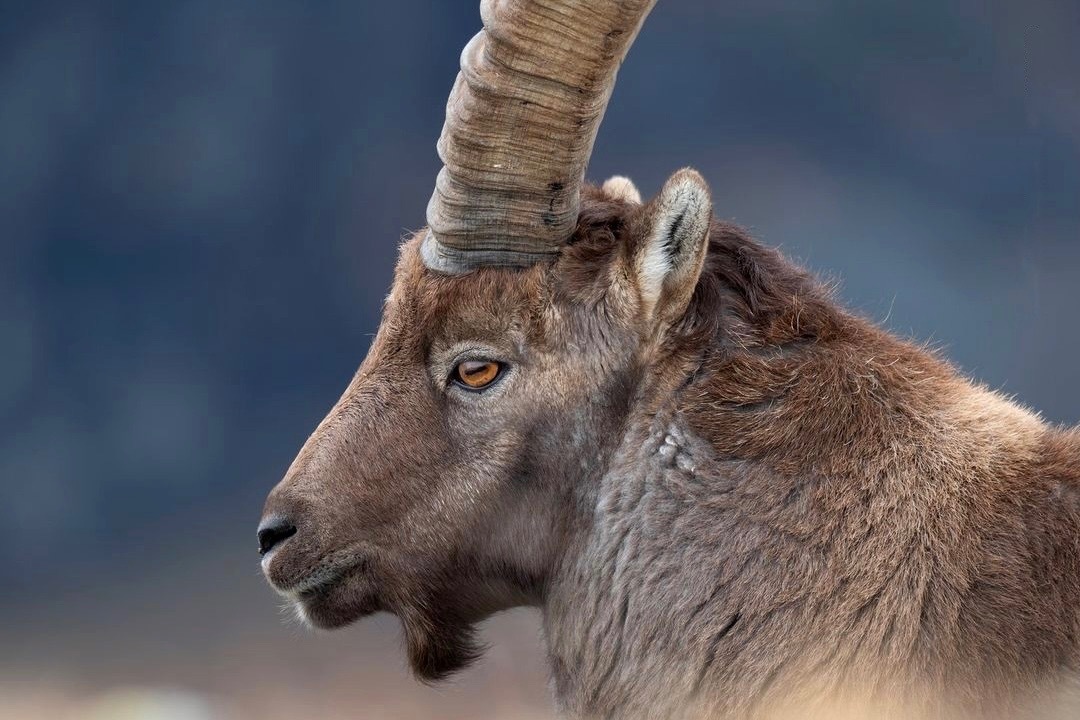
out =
column 460, row 492
column 485, row 448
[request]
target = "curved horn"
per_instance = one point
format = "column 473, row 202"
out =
column 520, row 125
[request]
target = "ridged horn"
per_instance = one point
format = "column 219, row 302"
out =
column 520, row 125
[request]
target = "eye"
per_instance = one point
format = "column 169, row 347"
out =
column 476, row 374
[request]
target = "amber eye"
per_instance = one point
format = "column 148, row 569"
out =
column 476, row 374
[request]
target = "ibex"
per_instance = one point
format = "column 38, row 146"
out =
column 727, row 496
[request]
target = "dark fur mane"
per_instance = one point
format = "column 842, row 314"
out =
column 748, row 295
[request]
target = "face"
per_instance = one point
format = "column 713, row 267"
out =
column 442, row 484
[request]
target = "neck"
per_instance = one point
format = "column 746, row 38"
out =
column 604, row 611
column 818, row 505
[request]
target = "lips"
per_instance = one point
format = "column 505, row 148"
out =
column 314, row 581
column 291, row 571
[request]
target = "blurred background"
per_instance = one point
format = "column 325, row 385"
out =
column 200, row 203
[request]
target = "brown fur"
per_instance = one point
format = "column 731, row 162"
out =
column 736, row 497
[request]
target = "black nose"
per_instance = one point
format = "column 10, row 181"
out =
column 273, row 531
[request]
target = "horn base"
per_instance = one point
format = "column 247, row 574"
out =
column 442, row 258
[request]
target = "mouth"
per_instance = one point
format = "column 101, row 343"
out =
column 337, row 604
column 333, row 593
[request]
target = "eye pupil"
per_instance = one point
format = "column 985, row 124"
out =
column 476, row 374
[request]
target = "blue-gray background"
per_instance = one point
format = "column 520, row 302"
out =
column 200, row 204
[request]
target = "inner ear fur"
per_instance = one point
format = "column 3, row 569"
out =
column 676, row 237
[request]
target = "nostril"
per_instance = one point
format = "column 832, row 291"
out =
column 273, row 531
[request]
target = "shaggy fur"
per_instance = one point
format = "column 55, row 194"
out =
column 728, row 499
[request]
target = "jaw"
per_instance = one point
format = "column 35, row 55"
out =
column 440, row 642
column 439, row 632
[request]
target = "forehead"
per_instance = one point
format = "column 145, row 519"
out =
column 488, row 302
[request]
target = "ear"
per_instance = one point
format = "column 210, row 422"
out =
column 622, row 188
column 676, row 238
